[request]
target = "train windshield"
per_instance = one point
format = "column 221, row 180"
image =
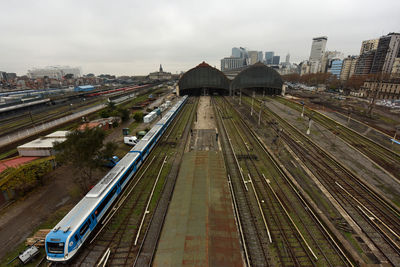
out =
column 56, row 248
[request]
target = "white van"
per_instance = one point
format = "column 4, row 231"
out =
column 131, row 140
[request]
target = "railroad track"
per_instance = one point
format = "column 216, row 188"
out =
column 384, row 157
column 15, row 123
column 123, row 229
column 378, row 218
column 291, row 233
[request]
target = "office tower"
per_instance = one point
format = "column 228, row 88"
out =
column 348, row 67
column 275, row 60
column 253, row 57
column 260, row 56
column 318, row 48
column 386, row 53
column 239, row 52
column 231, row 63
column 287, row 61
column 368, row 45
column 335, row 67
column 317, row 52
column 364, row 63
column 269, row 57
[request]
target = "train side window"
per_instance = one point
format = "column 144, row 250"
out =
column 84, row 229
column 105, row 201
column 76, row 238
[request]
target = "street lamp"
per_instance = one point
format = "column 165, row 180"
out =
column 302, row 111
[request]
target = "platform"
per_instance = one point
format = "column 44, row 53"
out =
column 200, row 229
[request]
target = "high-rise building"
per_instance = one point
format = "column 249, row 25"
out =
column 287, row 61
column 327, row 58
column 335, row 67
column 396, row 68
column 317, row 52
column 239, row 52
column 269, row 57
column 348, row 67
column 318, row 48
column 253, row 57
column 369, row 45
column 304, row 67
column 260, row 56
column 275, row 60
column 364, row 63
column 386, row 53
column 231, row 63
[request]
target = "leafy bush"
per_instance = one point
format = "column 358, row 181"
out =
column 138, row 116
column 26, row 177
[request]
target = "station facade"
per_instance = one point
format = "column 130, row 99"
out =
column 206, row 80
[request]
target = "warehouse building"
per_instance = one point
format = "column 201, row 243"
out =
column 42, row 147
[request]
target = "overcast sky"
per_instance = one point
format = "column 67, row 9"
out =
column 129, row 37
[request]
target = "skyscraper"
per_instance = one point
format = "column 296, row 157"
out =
column 318, row 48
column 335, row 67
column 253, row 56
column 369, row 45
column 260, row 56
column 275, row 60
column 239, row 52
column 348, row 67
column 287, row 61
column 386, row 53
column 269, row 57
column 317, row 52
column 364, row 63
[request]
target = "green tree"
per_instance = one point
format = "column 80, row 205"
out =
column 124, row 114
column 138, row 116
column 84, row 151
column 105, row 113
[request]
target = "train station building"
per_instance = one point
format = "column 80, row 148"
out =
column 203, row 80
column 258, row 78
column 206, row 80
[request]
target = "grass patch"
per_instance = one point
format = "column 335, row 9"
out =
column 51, row 221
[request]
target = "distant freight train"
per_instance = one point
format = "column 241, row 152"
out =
column 67, row 237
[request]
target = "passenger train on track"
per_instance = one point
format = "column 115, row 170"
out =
column 67, row 237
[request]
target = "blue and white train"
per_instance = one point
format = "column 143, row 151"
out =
column 65, row 239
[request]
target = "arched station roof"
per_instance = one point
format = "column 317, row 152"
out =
column 203, row 77
column 258, row 76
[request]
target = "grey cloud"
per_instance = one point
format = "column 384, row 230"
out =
column 134, row 37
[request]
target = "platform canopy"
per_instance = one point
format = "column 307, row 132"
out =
column 258, row 77
column 203, row 79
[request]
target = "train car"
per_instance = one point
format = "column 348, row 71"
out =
column 84, row 88
column 65, row 239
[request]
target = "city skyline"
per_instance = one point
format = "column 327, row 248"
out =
column 119, row 39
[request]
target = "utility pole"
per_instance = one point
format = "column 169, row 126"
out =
column 348, row 117
column 395, row 133
column 240, row 97
column 252, row 103
column 302, row 111
column 375, row 93
column 259, row 113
